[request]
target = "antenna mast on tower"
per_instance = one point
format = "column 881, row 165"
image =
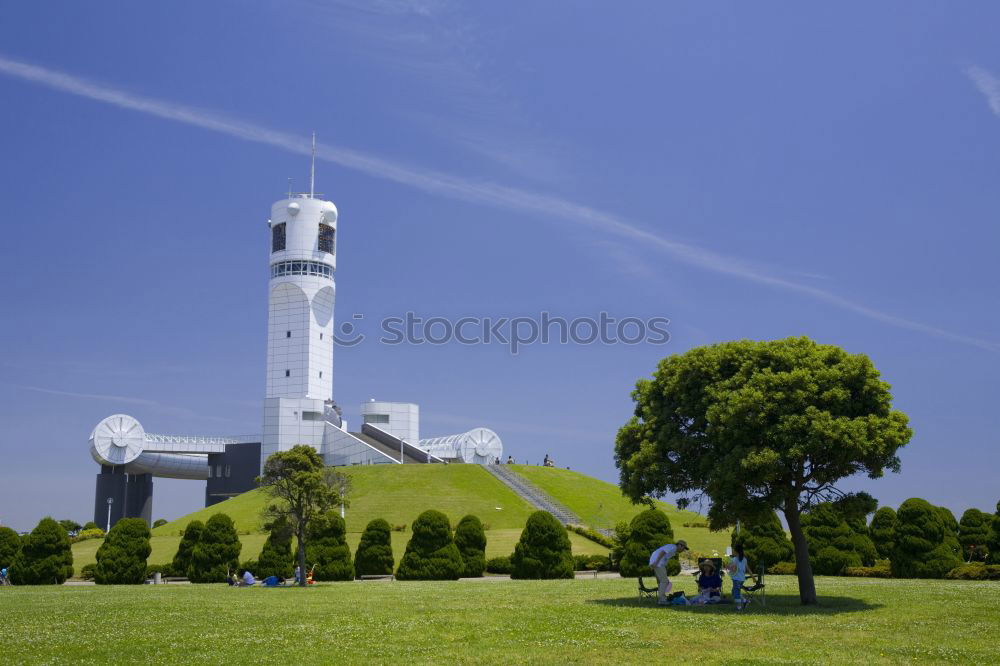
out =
column 312, row 170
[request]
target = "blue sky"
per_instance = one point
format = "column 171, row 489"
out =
column 747, row 172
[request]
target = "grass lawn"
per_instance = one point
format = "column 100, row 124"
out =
column 601, row 504
column 498, row 542
column 558, row 622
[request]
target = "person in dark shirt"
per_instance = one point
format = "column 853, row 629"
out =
column 709, row 583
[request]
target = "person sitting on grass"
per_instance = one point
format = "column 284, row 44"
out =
column 658, row 563
column 709, row 584
column 248, row 579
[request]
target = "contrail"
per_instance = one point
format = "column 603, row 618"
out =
column 457, row 187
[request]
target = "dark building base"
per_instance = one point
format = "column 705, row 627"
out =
column 131, row 495
column 232, row 473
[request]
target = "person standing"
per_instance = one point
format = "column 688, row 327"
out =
column 658, row 562
column 738, row 570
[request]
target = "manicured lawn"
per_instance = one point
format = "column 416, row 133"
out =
column 557, row 622
column 600, row 504
column 498, row 542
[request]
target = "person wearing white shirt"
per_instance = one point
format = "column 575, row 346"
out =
column 658, row 562
column 738, row 570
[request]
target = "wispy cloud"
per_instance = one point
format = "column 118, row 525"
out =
column 988, row 84
column 182, row 412
column 466, row 189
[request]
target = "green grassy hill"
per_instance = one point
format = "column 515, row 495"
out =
column 601, row 504
column 399, row 493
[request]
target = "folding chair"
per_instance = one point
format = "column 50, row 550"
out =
column 647, row 592
column 751, row 593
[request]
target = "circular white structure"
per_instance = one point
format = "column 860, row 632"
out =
column 117, row 440
column 479, row 445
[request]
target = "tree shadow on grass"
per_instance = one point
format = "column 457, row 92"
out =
column 777, row 604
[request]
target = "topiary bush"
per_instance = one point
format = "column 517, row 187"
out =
column 882, row 571
column 974, row 534
column 276, row 555
column 883, row 531
column 920, row 550
column 189, row 538
column 950, row 531
column 499, row 565
column 217, row 553
column 648, row 531
column 326, row 548
column 10, row 546
column 833, row 544
column 764, row 541
column 975, row 571
column 374, row 554
column 993, row 544
column 46, row 556
column 87, row 571
column 544, row 551
column 121, row 559
column 470, row 539
column 431, row 553
column 782, row 569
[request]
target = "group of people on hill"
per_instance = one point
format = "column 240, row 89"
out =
column 709, row 579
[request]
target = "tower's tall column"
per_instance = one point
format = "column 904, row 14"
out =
column 299, row 322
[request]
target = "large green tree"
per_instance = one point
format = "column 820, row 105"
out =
column 276, row 555
column 121, row 559
column 303, row 489
column 431, row 553
column 757, row 426
column 470, row 538
column 921, row 550
column 648, row 530
column 543, row 551
column 883, row 531
column 46, row 556
column 217, row 553
column 374, row 554
column 182, row 558
column 974, row 534
column 326, row 548
column 764, row 541
column 10, row 546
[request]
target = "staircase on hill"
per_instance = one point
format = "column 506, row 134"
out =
column 533, row 495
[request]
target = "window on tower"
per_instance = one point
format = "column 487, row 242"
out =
column 278, row 237
column 326, row 238
column 288, row 373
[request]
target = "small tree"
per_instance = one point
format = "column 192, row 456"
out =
column 883, row 531
column 217, row 553
column 764, row 541
column 46, row 556
column 543, row 550
column 620, row 539
column 303, row 490
column 327, row 550
column 921, row 551
column 276, row 555
column 374, row 554
column 757, row 426
column 974, row 535
column 121, row 559
column 993, row 545
column 91, row 525
column 648, row 531
column 71, row 526
column 182, row 558
column 471, row 541
column 431, row 553
column 10, row 547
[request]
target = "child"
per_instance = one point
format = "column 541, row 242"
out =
column 739, row 567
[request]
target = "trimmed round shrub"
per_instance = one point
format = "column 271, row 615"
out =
column 648, row 531
column 470, row 538
column 974, row 534
column 327, row 551
column 993, row 544
column 920, row 550
column 374, row 554
column 10, row 546
column 543, row 551
column 190, row 537
column 87, row 571
column 431, row 553
column 883, row 531
column 950, row 531
column 782, row 569
column 276, row 555
column 498, row 565
column 764, row 542
column 217, row 553
column 121, row 559
column 833, row 544
column 46, row 556
column 975, row 571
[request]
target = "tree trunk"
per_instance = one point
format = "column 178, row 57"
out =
column 300, row 536
column 803, row 567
